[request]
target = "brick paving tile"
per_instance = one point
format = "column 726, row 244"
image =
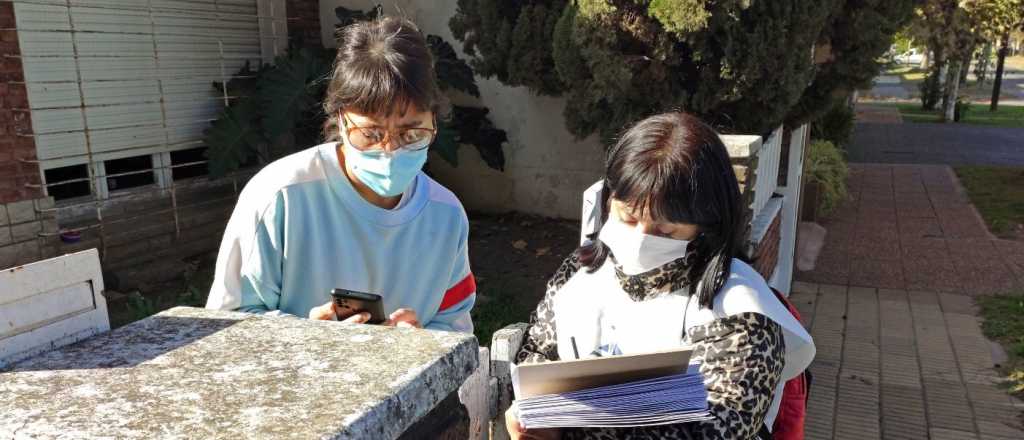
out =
column 801, row 287
column 915, row 210
column 986, row 280
column 820, row 413
column 909, row 187
column 901, row 371
column 829, row 269
column 838, row 237
column 949, row 201
column 957, row 228
column 972, row 251
column 924, row 298
column 876, row 233
column 949, row 434
column 1012, row 250
column 932, row 273
column 999, row 429
column 947, row 405
column 878, row 273
column 903, row 413
column 846, row 212
column 908, row 360
column 875, row 245
column 924, row 247
column 962, row 304
column 987, row 394
column 917, row 228
column 911, row 197
column 875, row 215
column 998, row 419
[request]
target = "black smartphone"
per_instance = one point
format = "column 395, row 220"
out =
column 349, row 302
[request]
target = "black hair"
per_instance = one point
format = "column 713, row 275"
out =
column 383, row 65
column 674, row 168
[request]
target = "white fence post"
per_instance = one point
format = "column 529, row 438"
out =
column 767, row 170
column 783, row 278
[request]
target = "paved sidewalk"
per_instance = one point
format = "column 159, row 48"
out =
column 897, row 364
column 912, row 227
column 900, row 351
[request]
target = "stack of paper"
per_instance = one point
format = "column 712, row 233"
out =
column 644, row 389
column 666, row 400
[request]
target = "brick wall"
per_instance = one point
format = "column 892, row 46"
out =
column 744, row 168
column 17, row 151
column 304, row 21
column 766, row 252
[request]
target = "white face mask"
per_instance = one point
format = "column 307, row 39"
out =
column 638, row 252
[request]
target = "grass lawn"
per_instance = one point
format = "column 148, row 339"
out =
column 907, row 73
column 1004, row 322
column 978, row 114
column 914, row 76
column 998, row 193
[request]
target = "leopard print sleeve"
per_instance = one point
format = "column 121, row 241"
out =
column 539, row 344
column 741, row 359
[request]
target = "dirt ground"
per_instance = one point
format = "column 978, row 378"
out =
column 512, row 257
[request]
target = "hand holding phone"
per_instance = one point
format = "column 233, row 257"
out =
column 350, row 302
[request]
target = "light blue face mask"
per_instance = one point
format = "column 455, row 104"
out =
column 386, row 174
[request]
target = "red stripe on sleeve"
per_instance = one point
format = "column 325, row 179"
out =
column 458, row 292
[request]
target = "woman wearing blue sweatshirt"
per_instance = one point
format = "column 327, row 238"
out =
column 357, row 212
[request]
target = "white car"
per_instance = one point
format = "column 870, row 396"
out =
column 911, row 56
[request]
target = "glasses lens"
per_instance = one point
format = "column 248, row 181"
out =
column 416, row 138
column 365, row 137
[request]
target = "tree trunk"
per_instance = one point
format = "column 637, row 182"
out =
column 965, row 66
column 944, row 83
column 926, row 61
column 1004, row 48
column 982, row 70
column 952, row 89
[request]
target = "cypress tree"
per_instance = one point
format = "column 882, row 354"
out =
column 745, row 66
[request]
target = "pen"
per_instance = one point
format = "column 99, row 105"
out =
column 574, row 350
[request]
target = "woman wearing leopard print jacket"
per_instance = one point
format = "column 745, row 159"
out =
column 664, row 271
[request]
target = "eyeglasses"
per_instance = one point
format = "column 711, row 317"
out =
column 374, row 138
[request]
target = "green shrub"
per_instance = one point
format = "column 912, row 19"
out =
column 836, row 125
column 140, row 306
column 827, row 167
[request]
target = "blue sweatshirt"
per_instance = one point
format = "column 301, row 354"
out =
column 300, row 229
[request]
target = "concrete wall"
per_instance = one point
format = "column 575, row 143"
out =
column 546, row 170
column 27, row 231
column 147, row 233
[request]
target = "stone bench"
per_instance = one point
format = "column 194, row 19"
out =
column 196, row 373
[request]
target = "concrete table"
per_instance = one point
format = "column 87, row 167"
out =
column 195, row 373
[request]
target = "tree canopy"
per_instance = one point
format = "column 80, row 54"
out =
column 745, row 66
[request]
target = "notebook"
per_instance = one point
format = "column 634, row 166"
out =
column 646, row 389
